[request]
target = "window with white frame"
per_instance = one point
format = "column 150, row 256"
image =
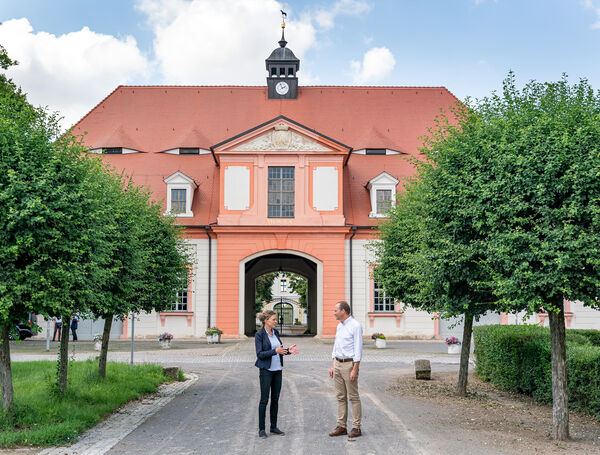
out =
column 382, row 190
column 281, row 192
column 180, row 194
column 384, row 201
column 381, row 302
column 283, row 285
column 178, row 200
column 181, row 299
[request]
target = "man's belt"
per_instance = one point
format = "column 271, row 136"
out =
column 343, row 360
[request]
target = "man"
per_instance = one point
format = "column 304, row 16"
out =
column 57, row 328
column 347, row 352
column 74, row 325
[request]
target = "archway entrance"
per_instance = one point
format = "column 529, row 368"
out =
column 286, row 262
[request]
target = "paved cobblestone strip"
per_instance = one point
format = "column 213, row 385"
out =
column 104, row 436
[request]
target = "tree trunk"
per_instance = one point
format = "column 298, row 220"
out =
column 465, row 352
column 560, row 408
column 6, row 384
column 104, row 350
column 63, row 355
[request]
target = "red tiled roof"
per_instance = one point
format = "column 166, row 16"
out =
column 158, row 118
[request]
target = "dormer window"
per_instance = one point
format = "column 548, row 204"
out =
column 180, row 194
column 375, row 151
column 189, row 151
column 383, row 194
column 112, row 151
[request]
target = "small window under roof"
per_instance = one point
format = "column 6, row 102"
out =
column 375, row 151
column 189, row 151
column 112, row 151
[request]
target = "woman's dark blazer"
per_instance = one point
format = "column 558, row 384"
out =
column 264, row 352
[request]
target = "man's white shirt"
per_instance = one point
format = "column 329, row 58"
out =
column 348, row 340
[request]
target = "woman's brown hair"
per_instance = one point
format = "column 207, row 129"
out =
column 262, row 317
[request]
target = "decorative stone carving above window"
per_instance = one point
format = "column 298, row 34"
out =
column 383, row 194
column 281, row 138
column 180, row 194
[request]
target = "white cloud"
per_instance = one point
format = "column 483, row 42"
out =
column 208, row 42
column 589, row 4
column 195, row 42
column 377, row 64
column 326, row 17
column 71, row 72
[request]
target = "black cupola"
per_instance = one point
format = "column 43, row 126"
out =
column 282, row 66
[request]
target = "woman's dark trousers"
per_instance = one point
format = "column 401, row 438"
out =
column 270, row 381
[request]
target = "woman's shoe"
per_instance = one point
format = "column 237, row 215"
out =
column 277, row 431
column 262, row 434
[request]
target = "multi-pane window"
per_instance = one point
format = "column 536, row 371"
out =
column 281, row 192
column 178, row 200
column 283, row 285
column 384, row 201
column 181, row 300
column 380, row 301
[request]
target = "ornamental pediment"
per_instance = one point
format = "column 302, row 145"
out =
column 280, row 135
column 281, row 138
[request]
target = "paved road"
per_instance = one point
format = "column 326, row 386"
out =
column 219, row 413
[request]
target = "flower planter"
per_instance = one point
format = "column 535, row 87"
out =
column 454, row 349
column 380, row 343
column 165, row 344
column 215, row 338
column 97, row 345
column 297, row 329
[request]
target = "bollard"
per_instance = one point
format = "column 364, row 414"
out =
column 171, row 372
column 423, row 369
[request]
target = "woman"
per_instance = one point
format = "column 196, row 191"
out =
column 269, row 359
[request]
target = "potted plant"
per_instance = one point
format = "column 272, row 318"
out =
column 213, row 335
column 379, row 340
column 453, row 345
column 97, row 342
column 165, row 340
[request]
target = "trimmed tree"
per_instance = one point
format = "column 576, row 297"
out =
column 149, row 265
column 540, row 206
column 53, row 245
column 429, row 256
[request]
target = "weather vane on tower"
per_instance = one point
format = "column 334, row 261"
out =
column 283, row 42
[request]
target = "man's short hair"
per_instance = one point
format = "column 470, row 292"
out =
column 344, row 306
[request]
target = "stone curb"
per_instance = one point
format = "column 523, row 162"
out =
column 104, row 436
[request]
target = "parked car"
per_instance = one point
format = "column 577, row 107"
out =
column 24, row 330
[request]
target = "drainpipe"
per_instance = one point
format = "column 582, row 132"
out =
column 351, row 281
column 209, row 272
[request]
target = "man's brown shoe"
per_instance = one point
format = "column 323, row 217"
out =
column 355, row 433
column 339, row 431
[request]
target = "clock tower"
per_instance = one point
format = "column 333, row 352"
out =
column 282, row 66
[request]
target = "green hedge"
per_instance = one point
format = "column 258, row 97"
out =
column 518, row 358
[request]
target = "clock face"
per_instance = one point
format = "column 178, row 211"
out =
column 282, row 88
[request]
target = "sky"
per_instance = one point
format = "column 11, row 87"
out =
column 73, row 53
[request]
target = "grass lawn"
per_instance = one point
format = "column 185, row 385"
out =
column 42, row 417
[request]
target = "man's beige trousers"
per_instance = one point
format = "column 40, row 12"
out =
column 344, row 390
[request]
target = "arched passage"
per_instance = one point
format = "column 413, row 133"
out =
column 287, row 261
